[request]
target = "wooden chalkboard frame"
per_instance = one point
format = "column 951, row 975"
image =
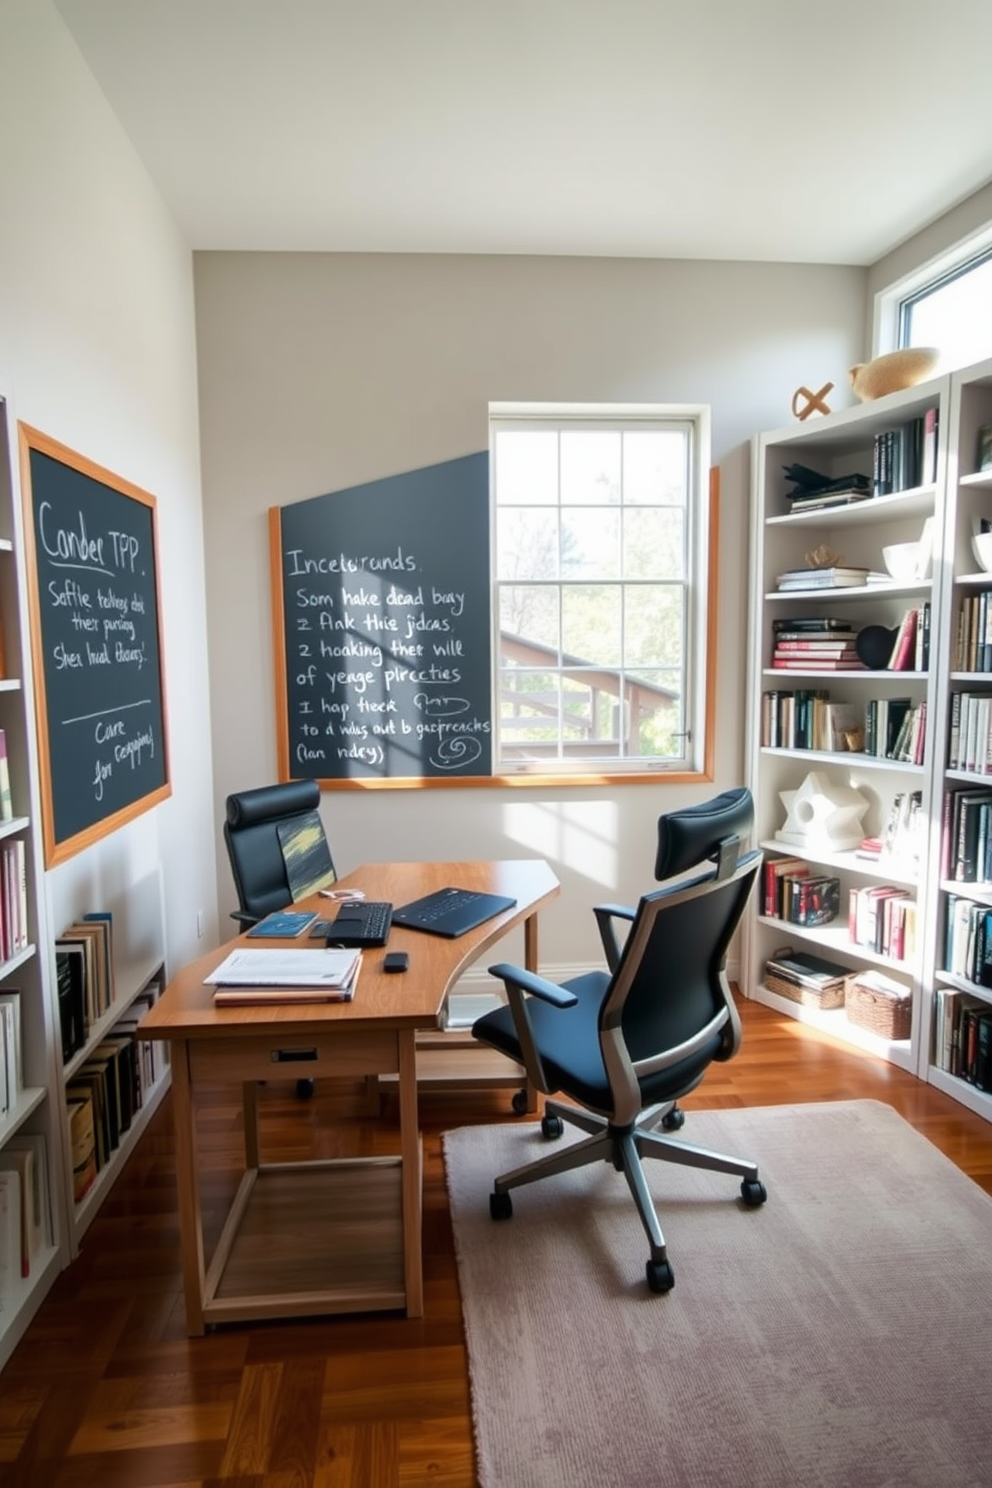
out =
column 152, row 780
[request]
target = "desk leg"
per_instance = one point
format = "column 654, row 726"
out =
column 188, row 1184
column 412, row 1180
column 530, row 961
column 249, row 1107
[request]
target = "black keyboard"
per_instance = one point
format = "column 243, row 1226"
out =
column 363, row 922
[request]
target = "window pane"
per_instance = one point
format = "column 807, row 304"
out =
column 590, row 624
column 590, row 467
column 528, row 710
column 653, row 542
column 654, row 623
column 526, row 544
column 656, row 713
column 527, row 467
column 655, row 466
column 590, row 543
column 528, row 617
column 955, row 316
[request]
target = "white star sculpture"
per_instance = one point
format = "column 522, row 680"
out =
column 822, row 814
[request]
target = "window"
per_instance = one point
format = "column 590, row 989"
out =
column 600, row 544
column 947, row 304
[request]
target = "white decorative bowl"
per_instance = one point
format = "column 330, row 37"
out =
column 900, row 561
column 981, row 546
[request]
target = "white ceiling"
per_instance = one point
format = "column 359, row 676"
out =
column 801, row 130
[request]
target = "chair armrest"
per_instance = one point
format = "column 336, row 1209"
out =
column 518, row 982
column 606, row 916
column 244, row 919
column 537, row 986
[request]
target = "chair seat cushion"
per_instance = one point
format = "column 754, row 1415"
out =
column 568, row 1042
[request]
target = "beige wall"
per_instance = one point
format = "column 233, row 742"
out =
column 319, row 372
column 97, row 349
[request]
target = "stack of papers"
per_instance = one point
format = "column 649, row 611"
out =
column 248, row 975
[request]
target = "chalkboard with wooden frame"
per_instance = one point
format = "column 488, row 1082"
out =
column 382, row 635
column 96, row 643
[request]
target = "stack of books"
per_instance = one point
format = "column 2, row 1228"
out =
column 838, row 577
column 810, row 980
column 815, row 643
column 811, row 490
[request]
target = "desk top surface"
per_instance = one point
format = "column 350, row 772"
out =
column 408, row 999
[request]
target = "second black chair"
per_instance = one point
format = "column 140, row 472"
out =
column 277, row 847
column 628, row 1042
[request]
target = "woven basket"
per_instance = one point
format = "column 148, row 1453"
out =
column 831, row 997
column 890, row 1017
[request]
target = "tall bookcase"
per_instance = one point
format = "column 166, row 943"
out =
column 835, row 446
column 37, row 1110
column 962, row 769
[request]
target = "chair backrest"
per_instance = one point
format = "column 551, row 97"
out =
column 669, row 1000
column 277, row 847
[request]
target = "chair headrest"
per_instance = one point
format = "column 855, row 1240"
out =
column 713, row 829
column 246, row 808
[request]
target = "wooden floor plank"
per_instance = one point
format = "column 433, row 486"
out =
column 106, row 1389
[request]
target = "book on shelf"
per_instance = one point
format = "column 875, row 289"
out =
column 838, row 577
column 6, row 798
column 903, row 657
column 21, row 1160
column 775, row 869
column 10, row 1232
column 817, row 500
column 82, row 1143
column 11, row 1050
column 812, row 485
column 821, row 623
column 811, row 663
column 42, row 1218
column 814, row 900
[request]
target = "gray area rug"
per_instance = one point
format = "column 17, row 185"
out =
column 838, row 1337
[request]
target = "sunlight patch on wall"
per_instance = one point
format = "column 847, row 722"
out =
column 581, row 836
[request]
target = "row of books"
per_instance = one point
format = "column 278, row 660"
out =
column 795, row 893
column 11, row 1056
column 84, row 964
column 895, row 729
column 963, row 1037
column 883, row 918
column 966, row 835
column 968, row 940
column 26, row 1225
column 969, row 742
column 911, row 646
column 105, row 1093
column 14, row 935
column 906, row 456
column 973, row 634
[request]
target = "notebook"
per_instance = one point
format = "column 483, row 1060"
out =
column 451, row 912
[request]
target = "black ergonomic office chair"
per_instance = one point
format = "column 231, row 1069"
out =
column 277, row 847
column 628, row 1042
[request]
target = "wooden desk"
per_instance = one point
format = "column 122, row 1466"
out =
column 328, row 1236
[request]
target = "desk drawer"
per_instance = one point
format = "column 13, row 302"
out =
column 295, row 1055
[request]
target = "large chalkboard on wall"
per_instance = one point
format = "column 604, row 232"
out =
column 96, row 645
column 381, row 617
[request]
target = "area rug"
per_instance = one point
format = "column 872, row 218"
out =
column 838, row 1337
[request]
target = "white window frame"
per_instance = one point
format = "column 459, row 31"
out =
column 699, row 663
column 887, row 318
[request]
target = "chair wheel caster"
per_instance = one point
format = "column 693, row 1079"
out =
column 674, row 1121
column 500, row 1206
column 661, row 1277
column 304, row 1089
column 552, row 1127
column 753, row 1193
column 519, row 1103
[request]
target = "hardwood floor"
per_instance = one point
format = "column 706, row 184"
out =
column 106, row 1389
